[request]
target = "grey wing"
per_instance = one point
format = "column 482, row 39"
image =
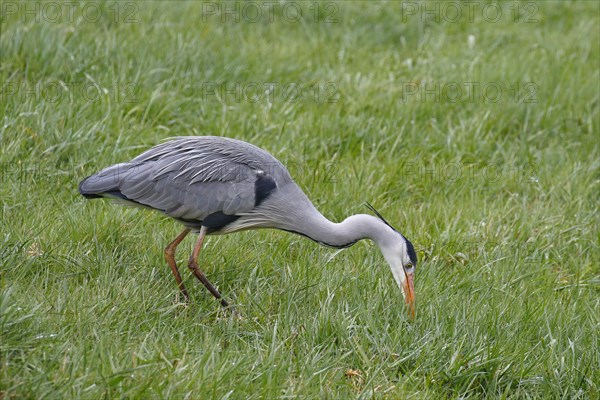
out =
column 191, row 178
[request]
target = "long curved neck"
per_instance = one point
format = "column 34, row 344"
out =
column 347, row 232
column 291, row 210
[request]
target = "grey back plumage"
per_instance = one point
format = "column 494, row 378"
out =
column 192, row 178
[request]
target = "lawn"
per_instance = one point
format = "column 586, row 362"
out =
column 472, row 127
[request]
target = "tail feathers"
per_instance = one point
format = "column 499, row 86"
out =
column 105, row 182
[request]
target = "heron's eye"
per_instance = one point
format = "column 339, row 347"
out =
column 408, row 266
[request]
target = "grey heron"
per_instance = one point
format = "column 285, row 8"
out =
column 215, row 185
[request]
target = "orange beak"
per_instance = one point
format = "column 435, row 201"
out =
column 409, row 293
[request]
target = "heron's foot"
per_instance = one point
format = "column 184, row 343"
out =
column 185, row 301
column 232, row 312
column 184, row 294
column 236, row 314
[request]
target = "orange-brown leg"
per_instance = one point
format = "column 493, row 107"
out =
column 170, row 257
column 196, row 270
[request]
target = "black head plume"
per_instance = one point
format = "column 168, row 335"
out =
column 409, row 246
column 370, row 207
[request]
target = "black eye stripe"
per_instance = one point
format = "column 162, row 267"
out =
column 411, row 252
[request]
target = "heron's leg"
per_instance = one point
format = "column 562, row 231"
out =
column 170, row 257
column 196, row 270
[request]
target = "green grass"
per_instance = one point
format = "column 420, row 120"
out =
column 500, row 199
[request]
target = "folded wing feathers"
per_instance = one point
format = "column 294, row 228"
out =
column 191, row 177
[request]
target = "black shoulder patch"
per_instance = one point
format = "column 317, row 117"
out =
column 218, row 220
column 190, row 223
column 263, row 187
column 411, row 252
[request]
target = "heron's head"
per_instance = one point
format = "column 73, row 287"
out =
column 400, row 254
column 403, row 260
